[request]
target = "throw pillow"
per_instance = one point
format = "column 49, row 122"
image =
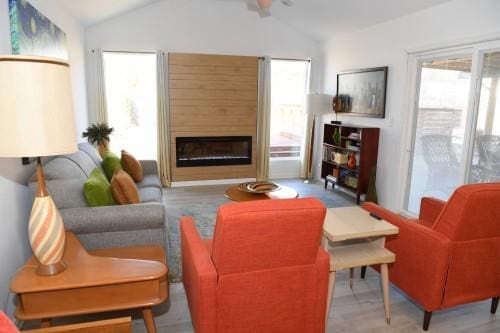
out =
column 123, row 189
column 97, row 190
column 132, row 166
column 110, row 163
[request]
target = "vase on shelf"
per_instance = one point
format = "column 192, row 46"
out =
column 336, row 136
column 351, row 162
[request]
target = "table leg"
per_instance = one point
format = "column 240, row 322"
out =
column 351, row 277
column 149, row 320
column 329, row 295
column 384, row 272
column 46, row 323
column 324, row 243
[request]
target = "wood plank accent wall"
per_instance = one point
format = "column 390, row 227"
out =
column 213, row 95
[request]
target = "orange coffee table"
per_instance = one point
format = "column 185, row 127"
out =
column 99, row 281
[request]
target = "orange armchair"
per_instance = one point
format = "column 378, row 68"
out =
column 450, row 255
column 264, row 270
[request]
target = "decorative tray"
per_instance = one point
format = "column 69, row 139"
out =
column 259, row 187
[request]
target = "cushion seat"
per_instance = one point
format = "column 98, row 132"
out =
column 150, row 181
column 150, row 194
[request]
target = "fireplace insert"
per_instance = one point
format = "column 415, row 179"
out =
column 213, row 150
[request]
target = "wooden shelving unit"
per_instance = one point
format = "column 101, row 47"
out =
column 363, row 142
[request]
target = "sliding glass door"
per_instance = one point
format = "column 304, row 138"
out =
column 485, row 163
column 455, row 124
column 438, row 147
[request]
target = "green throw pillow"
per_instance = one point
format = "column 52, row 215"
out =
column 97, row 190
column 110, row 163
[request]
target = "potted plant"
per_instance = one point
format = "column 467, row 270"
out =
column 99, row 134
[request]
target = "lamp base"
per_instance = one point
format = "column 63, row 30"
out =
column 52, row 269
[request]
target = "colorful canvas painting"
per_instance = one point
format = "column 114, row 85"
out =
column 34, row 34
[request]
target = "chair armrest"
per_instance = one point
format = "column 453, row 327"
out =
column 149, row 167
column 199, row 277
column 87, row 220
column 430, row 208
column 422, row 258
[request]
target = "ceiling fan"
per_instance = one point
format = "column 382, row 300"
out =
column 263, row 7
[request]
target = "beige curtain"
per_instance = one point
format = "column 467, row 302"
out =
column 100, row 110
column 163, row 119
column 308, row 129
column 264, row 120
column 305, row 171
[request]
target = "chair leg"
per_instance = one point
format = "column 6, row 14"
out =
column 494, row 304
column 351, row 277
column 363, row 271
column 427, row 320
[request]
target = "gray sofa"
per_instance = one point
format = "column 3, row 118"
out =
column 109, row 226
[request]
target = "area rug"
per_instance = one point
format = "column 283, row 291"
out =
column 202, row 202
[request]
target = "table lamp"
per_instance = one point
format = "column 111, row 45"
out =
column 316, row 105
column 36, row 119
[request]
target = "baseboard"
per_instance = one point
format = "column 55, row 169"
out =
column 211, row 182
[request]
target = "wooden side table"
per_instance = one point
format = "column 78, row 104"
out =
column 94, row 282
column 354, row 239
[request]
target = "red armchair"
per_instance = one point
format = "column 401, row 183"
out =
column 450, row 255
column 264, row 270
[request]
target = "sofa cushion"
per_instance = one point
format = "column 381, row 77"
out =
column 123, row 189
column 84, row 162
column 132, row 166
column 150, row 194
column 88, row 149
column 111, row 163
column 61, row 168
column 66, row 193
column 97, row 190
column 149, row 181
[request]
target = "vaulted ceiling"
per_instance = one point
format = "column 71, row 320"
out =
column 319, row 19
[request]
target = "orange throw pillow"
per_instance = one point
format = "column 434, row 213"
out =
column 132, row 166
column 123, row 189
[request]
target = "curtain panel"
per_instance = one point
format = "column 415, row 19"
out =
column 163, row 119
column 100, row 110
column 264, row 120
column 305, row 160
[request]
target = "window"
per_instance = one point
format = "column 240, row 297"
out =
column 288, row 90
column 130, row 80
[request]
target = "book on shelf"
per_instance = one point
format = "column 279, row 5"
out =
column 354, row 135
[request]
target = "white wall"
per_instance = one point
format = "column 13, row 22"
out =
column 200, row 26
column 16, row 199
column 15, row 205
column 75, row 35
column 385, row 45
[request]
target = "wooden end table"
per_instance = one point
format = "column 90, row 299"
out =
column 355, row 239
column 285, row 192
column 97, row 281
